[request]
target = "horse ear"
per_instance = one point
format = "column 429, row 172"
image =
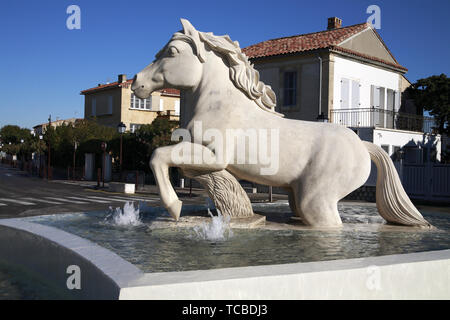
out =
column 188, row 28
column 190, row 31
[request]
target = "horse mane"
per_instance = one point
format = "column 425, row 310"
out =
column 242, row 73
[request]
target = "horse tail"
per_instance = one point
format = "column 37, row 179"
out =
column 393, row 203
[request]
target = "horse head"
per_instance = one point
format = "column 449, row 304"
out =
column 177, row 65
column 180, row 64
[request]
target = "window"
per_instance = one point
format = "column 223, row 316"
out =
column 93, row 106
column 110, row 104
column 377, row 97
column 290, row 88
column 390, row 99
column 385, row 147
column 396, row 153
column 161, row 104
column 134, row 127
column 140, row 104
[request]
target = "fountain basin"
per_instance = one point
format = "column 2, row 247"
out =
column 34, row 243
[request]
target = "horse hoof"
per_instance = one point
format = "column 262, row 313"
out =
column 175, row 209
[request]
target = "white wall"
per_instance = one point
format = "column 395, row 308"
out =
column 400, row 138
column 366, row 75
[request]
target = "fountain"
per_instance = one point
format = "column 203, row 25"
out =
column 304, row 248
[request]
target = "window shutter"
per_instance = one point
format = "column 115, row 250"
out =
column 161, row 104
column 345, row 93
column 177, row 108
column 132, row 101
column 375, row 96
column 94, row 106
column 355, row 94
column 110, row 104
column 372, row 95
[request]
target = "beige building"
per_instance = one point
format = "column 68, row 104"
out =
column 41, row 128
column 112, row 103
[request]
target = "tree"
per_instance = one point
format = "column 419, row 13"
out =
column 432, row 94
column 16, row 141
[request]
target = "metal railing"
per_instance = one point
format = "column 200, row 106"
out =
column 375, row 117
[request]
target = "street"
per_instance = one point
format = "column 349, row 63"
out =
column 22, row 195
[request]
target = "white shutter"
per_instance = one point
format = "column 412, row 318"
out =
column 161, row 104
column 355, row 94
column 345, row 93
column 94, row 106
column 372, row 95
column 177, row 107
column 375, row 96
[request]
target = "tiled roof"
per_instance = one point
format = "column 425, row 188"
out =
column 168, row 91
column 313, row 41
column 303, row 42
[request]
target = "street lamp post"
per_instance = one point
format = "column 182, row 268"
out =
column 104, row 162
column 40, row 155
column 74, row 155
column 48, row 167
column 121, row 129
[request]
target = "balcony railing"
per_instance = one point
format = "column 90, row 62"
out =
column 375, row 117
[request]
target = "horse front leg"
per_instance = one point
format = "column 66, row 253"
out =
column 163, row 158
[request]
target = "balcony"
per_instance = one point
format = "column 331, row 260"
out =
column 375, row 117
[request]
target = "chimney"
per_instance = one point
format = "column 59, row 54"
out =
column 334, row 23
column 122, row 78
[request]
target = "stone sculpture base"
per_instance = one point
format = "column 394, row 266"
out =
column 191, row 221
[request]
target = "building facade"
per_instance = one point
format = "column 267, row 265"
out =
column 348, row 76
column 112, row 103
column 41, row 128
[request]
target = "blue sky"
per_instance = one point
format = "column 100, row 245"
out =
column 44, row 66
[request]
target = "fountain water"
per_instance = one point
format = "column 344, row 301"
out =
column 218, row 229
column 128, row 216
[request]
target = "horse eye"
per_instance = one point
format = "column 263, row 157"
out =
column 173, row 51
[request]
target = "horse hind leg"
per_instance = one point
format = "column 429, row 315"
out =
column 315, row 207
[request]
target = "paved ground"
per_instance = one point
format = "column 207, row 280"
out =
column 23, row 195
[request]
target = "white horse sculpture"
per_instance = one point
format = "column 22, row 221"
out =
column 319, row 163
